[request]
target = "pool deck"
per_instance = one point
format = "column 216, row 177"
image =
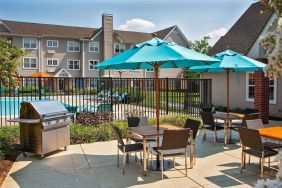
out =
column 94, row 165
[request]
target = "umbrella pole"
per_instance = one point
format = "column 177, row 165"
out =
column 227, row 97
column 156, row 68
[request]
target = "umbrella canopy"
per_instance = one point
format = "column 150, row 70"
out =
column 230, row 62
column 40, row 74
column 156, row 53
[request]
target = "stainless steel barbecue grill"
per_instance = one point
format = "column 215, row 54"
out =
column 44, row 126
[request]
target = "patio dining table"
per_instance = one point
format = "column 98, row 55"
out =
column 148, row 132
column 228, row 118
column 272, row 132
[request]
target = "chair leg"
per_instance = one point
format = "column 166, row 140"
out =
column 204, row 135
column 118, row 157
column 214, row 137
column 174, row 162
column 249, row 159
column 244, row 166
column 162, row 166
column 261, row 167
column 194, row 154
column 186, row 174
column 123, row 167
column 141, row 160
column 135, row 157
column 242, row 162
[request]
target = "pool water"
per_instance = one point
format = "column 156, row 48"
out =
column 11, row 106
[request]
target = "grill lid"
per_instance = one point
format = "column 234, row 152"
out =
column 48, row 107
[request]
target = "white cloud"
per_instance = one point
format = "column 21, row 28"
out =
column 137, row 24
column 216, row 34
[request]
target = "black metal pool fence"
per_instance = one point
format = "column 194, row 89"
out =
column 178, row 96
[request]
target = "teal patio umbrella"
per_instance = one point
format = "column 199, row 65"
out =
column 156, row 54
column 230, row 62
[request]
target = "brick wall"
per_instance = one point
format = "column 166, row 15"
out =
column 261, row 101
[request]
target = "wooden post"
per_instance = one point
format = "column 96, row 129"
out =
column 156, row 68
column 227, row 97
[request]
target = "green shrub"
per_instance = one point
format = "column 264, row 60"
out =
column 122, row 126
column 80, row 134
column 170, row 119
column 8, row 136
column 103, row 132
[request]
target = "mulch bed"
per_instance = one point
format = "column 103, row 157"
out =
column 5, row 165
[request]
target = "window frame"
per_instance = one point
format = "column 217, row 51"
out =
column 119, row 44
column 274, row 101
column 68, row 62
column 90, row 65
column 72, row 41
column 52, row 62
column 25, row 38
column 93, row 42
column 30, row 68
column 52, row 43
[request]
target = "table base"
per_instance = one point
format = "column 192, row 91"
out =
column 154, row 166
column 229, row 141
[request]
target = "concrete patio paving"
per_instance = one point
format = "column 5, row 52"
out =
column 94, row 165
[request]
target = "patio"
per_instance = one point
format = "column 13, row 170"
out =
column 94, row 165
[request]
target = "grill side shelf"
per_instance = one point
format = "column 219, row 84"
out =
column 20, row 120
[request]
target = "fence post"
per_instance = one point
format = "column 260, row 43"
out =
column 166, row 80
column 39, row 88
column 111, row 92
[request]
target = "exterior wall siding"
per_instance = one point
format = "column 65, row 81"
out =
column 238, row 92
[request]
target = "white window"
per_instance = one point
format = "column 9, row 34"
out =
column 92, row 64
column 30, row 43
column 52, row 62
column 119, row 47
column 273, row 91
column 53, row 43
column 250, row 89
column 29, row 63
column 73, row 46
column 73, row 65
column 150, row 70
column 94, row 47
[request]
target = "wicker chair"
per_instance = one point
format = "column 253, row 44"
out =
column 210, row 124
column 193, row 125
column 252, row 145
column 174, row 144
column 125, row 148
column 135, row 122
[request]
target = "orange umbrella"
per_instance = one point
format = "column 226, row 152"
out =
column 40, row 74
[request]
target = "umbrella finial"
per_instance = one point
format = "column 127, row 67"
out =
column 154, row 35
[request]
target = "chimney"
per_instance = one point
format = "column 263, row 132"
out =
column 107, row 24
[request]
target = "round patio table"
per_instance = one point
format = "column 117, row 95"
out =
column 228, row 118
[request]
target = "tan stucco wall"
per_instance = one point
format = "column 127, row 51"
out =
column 238, row 92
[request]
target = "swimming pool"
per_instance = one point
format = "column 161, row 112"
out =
column 10, row 107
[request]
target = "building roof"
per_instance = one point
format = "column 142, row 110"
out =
column 243, row 34
column 131, row 37
column 164, row 32
column 39, row 29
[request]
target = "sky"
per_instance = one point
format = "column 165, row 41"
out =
column 195, row 18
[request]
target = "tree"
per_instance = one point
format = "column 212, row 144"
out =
column 201, row 46
column 272, row 42
column 9, row 60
